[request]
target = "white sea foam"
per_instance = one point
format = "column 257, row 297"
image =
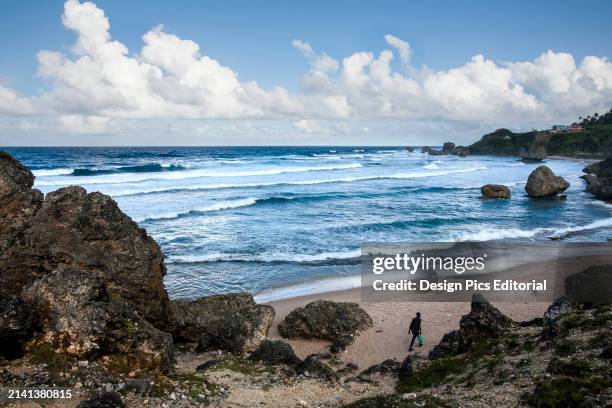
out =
column 489, row 234
column 430, row 166
column 199, row 187
column 52, row 172
column 122, row 178
column 222, row 205
column 266, row 257
column 309, row 288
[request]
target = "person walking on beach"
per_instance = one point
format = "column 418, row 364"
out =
column 415, row 329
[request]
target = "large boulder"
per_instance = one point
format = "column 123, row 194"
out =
column 599, row 179
column 495, row 191
column 483, row 322
column 79, row 316
column 79, row 269
column 448, row 147
column 89, row 231
column 323, row 319
column 590, row 287
column 232, row 322
column 543, row 183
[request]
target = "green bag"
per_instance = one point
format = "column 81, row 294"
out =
column 421, row 339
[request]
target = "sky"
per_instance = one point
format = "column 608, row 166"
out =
column 296, row 73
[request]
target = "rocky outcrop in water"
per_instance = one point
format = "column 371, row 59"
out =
column 484, row 321
column 322, row 319
column 533, row 153
column 599, row 179
column 232, row 322
column 448, row 148
column 495, row 191
column 543, row 183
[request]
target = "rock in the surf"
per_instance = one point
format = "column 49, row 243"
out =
column 599, row 179
column 543, row 183
column 232, row 322
column 495, row 191
column 323, row 319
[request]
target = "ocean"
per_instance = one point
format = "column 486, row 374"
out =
column 285, row 221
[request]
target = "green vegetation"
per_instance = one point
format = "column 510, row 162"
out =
column 243, row 366
column 565, row 392
column 595, row 141
column 569, row 367
column 437, row 372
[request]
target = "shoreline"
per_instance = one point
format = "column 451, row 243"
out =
column 388, row 338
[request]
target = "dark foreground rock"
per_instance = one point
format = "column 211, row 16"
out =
column 590, row 287
column 232, row 322
column 103, row 400
column 80, row 275
column 273, row 352
column 495, row 191
column 79, row 317
column 483, row 322
column 338, row 322
column 543, row 183
column 599, row 179
column 314, row 368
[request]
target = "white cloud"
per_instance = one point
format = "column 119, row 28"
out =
column 84, row 124
column 403, row 48
column 100, row 81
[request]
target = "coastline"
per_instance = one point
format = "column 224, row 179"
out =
column 388, row 338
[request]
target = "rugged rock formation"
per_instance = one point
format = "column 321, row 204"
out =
column 274, row 352
column 315, row 368
column 484, row 321
column 447, row 148
column 599, row 179
column 410, row 149
column 326, row 320
column 543, row 183
column 532, row 153
column 76, row 269
column 79, row 316
column 590, row 287
column 232, row 322
column 495, row 191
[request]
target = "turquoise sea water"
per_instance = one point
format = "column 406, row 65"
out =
column 282, row 221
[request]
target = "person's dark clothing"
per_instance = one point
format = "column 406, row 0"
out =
column 415, row 329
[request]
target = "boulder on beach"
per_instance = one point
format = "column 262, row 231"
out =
column 313, row 367
column 543, row 183
column 231, row 322
column 323, row 319
column 484, row 321
column 495, row 191
column 273, row 352
column 599, row 179
column 448, row 147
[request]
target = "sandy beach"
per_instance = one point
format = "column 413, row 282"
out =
column 388, row 338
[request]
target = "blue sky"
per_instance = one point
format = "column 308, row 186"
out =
column 254, row 40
